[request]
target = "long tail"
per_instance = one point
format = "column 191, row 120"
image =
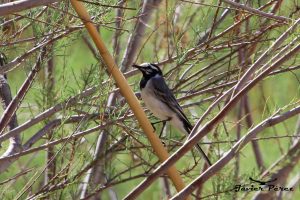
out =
column 188, row 128
column 203, row 155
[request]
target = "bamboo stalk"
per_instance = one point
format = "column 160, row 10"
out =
column 128, row 94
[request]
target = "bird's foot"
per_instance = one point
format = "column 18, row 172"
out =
column 154, row 126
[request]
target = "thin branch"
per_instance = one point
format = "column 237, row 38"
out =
column 281, row 169
column 211, row 171
column 257, row 12
column 257, row 64
column 136, row 37
column 18, row 6
column 205, row 129
column 15, row 103
column 15, row 144
column 18, row 60
column 47, row 113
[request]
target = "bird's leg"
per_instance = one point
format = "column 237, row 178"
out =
column 162, row 128
column 157, row 122
column 164, row 124
column 153, row 125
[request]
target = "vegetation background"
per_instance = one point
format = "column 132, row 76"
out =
column 69, row 134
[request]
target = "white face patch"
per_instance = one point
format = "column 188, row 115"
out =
column 144, row 64
column 153, row 67
column 148, row 68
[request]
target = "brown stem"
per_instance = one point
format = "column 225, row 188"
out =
column 255, row 145
column 136, row 37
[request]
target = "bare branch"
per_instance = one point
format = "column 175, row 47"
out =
column 17, row 6
column 205, row 129
column 258, row 12
column 15, row 144
column 136, row 37
column 236, row 148
column 15, row 103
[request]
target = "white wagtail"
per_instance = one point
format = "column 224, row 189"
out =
column 160, row 100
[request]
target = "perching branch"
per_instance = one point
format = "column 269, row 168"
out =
column 205, row 129
column 235, row 149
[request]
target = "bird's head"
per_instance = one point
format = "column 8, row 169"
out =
column 148, row 69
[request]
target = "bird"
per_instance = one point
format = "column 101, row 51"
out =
column 160, row 100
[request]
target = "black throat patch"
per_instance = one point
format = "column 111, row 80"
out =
column 143, row 82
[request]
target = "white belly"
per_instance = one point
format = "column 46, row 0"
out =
column 159, row 109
